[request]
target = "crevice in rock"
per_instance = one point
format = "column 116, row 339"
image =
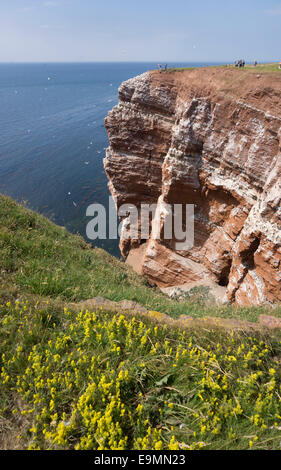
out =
column 248, row 262
column 224, row 276
column 247, row 255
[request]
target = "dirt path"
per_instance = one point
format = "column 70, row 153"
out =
column 265, row 323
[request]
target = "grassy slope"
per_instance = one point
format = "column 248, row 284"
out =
column 41, row 259
column 95, row 380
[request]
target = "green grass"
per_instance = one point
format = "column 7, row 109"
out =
column 180, row 69
column 260, row 68
column 41, row 260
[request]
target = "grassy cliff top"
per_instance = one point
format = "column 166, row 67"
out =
column 259, row 86
column 260, row 68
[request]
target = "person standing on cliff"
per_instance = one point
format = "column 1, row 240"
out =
column 160, row 67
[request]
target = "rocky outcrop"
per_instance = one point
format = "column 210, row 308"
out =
column 210, row 138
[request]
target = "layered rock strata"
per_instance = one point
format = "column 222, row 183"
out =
column 210, row 138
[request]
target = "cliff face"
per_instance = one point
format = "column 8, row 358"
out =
column 211, row 138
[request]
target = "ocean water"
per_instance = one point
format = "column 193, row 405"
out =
column 53, row 139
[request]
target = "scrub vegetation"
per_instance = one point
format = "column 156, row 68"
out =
column 83, row 379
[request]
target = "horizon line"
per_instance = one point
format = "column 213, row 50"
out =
column 132, row 62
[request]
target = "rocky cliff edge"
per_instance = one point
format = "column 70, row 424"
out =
column 208, row 137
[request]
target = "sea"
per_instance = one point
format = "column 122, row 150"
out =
column 53, row 139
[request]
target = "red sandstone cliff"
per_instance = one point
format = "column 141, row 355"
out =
column 208, row 137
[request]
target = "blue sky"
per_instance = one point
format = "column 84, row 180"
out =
column 140, row 30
